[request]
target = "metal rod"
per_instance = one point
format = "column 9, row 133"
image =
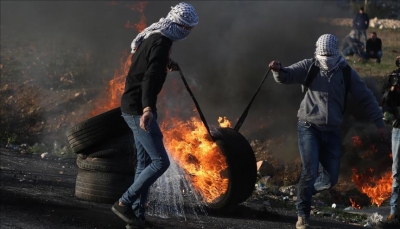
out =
column 244, row 115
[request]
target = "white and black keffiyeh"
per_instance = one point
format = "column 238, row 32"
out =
column 171, row 26
column 327, row 53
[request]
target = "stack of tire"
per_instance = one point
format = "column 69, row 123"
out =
column 106, row 157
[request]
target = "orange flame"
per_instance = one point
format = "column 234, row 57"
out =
column 190, row 145
column 224, row 122
column 141, row 25
column 116, row 85
column 370, row 151
column 115, row 88
column 377, row 189
column 357, row 143
column 354, row 204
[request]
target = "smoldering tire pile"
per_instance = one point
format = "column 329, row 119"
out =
column 106, row 157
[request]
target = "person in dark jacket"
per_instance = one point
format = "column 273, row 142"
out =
column 150, row 61
column 374, row 47
column 391, row 109
column 321, row 114
column 361, row 24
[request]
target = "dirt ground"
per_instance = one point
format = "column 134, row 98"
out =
column 39, row 193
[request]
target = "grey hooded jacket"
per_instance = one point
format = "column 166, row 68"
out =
column 323, row 103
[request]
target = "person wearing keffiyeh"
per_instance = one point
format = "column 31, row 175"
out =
column 150, row 63
column 320, row 116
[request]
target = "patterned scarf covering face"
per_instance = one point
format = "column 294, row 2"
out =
column 180, row 16
column 327, row 53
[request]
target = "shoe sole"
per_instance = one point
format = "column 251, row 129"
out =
column 120, row 215
column 322, row 188
column 131, row 222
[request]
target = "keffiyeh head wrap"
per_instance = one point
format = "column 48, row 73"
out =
column 327, row 53
column 173, row 26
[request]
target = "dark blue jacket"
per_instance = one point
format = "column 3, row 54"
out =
column 361, row 21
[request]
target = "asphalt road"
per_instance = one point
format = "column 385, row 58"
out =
column 39, row 193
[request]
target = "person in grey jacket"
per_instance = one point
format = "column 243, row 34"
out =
column 321, row 114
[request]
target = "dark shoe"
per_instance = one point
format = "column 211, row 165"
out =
column 378, row 61
column 126, row 214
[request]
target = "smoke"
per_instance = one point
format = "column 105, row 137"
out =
column 228, row 53
column 224, row 58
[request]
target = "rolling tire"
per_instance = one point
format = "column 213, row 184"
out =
column 119, row 165
column 101, row 187
column 242, row 168
column 96, row 129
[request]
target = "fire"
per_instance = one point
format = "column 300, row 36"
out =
column 377, row 189
column 115, row 88
column 116, row 85
column 187, row 142
column 224, row 122
column 141, row 25
column 357, row 143
column 354, row 204
column 190, row 145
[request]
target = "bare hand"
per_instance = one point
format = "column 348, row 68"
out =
column 145, row 120
column 275, row 65
column 172, row 66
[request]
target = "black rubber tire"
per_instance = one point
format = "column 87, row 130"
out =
column 118, row 164
column 104, row 154
column 119, row 144
column 242, row 168
column 97, row 129
column 101, row 187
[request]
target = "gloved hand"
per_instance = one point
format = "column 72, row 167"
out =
column 172, row 66
column 388, row 118
column 146, row 119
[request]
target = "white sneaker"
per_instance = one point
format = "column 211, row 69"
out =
column 323, row 182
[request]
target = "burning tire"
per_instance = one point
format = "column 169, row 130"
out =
column 101, row 187
column 242, row 170
column 95, row 130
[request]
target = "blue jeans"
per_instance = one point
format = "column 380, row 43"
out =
column 377, row 55
column 152, row 162
column 316, row 147
column 394, row 199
